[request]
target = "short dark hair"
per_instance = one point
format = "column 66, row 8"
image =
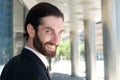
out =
column 39, row 11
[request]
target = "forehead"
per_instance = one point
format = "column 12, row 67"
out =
column 53, row 22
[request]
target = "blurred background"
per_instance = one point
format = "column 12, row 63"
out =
column 90, row 45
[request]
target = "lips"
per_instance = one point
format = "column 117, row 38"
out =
column 50, row 47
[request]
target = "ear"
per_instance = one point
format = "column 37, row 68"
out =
column 30, row 30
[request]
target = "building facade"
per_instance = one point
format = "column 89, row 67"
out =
column 6, row 30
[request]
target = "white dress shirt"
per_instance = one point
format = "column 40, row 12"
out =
column 41, row 56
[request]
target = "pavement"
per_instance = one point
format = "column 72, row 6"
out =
column 61, row 76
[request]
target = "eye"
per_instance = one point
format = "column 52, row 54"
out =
column 61, row 32
column 48, row 31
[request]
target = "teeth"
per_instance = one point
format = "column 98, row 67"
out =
column 51, row 46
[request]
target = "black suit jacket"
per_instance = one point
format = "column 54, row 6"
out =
column 25, row 66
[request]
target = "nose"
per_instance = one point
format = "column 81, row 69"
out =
column 56, row 39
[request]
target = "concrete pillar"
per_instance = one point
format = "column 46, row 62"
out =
column 111, row 38
column 74, row 53
column 74, row 34
column 90, row 54
column 18, row 26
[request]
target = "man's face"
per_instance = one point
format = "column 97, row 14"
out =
column 48, row 36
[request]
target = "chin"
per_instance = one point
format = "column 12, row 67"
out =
column 50, row 55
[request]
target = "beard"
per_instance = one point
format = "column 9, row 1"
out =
column 40, row 47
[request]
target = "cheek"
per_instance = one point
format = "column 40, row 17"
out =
column 45, row 38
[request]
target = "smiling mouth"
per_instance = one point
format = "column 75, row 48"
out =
column 50, row 47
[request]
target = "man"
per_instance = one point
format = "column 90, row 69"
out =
column 43, row 29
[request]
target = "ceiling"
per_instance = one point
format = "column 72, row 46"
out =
column 75, row 11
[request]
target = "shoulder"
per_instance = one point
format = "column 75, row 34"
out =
column 9, row 67
column 22, row 67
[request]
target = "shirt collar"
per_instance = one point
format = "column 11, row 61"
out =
column 41, row 57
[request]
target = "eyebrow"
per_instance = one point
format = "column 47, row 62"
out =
column 49, row 28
